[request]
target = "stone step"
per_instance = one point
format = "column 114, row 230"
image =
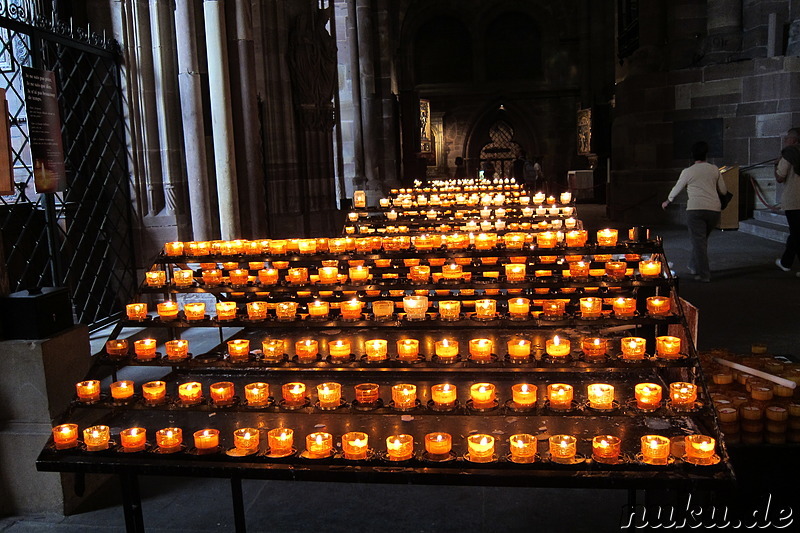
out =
column 772, row 217
column 765, row 230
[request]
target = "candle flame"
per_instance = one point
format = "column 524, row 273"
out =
column 439, row 438
column 484, row 441
column 524, row 387
column 597, row 342
column 556, row 340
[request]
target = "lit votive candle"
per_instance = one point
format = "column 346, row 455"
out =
column 169, row 440
column 294, row 394
column 133, row 439
column 700, row 449
column 408, row 349
column 446, row 350
column 480, row 350
column 658, row 305
column 173, row 248
column 154, row 392
column 601, row 396
column 96, row 438
column 88, row 391
column 319, row 445
column 560, row 396
column 650, row 268
column 222, row 393
column 668, row 347
column 268, row 276
column 367, row 394
column 606, row 448
column 404, row 396
column 579, row 270
column 400, row 447
column 286, row 311
column 523, row 448
column 591, row 307
column 256, row 310
column 257, row 394
column 523, row 395
column 376, row 350
column 156, row 278
column 615, row 270
column 452, row 272
column 330, row 395
column 273, row 350
column 177, row 350
column 515, row 273
column 145, row 349
column 624, row 307
column 419, row 273
column 563, row 448
column 136, row 311
column 318, row 310
column 65, row 436
column 553, row 309
column 246, row 440
column 633, row 348
column 655, row 449
column 519, row 308
column 682, row 395
column 557, row 348
column 351, row 310
column 239, row 350
column 297, row 276
column 328, row 275
column 382, row 309
column 190, row 393
column 482, row 395
column 167, row 310
column 355, row 445
column 212, row 277
column 122, row 390
column 648, row 396
column 576, row 238
column 438, row 445
column 358, row 274
column 485, row 309
column 443, row 395
column 194, row 311
column 449, row 310
column 481, row 448
column 206, row 441
column 183, row 278
column 415, row 307
column 339, row 350
column 519, row 350
column 593, row 347
column 238, row 277
column 116, row 348
column 280, row 441
column 306, row 350
column 546, row 239
column 607, row 237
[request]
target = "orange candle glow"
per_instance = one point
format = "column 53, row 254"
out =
column 557, row 348
column 194, row 311
column 297, row 276
column 257, row 394
column 330, row 395
column 122, row 390
column 446, row 350
column 519, row 350
column 524, row 395
column 576, row 238
column 546, row 239
column 190, row 393
column 206, row 441
column 485, row 309
column 382, row 309
column 88, row 391
column 560, row 396
column 438, row 445
column 319, row 445
column 136, row 311
column 167, row 310
column 404, row 396
column 615, row 270
column 273, row 350
column 177, row 349
column 65, row 436
column 408, row 349
column 116, row 348
column 553, row 309
column 601, row 396
column 294, row 394
column 154, row 392
column 650, row 268
column 648, row 396
column 482, row 395
column 318, row 310
column 700, row 449
column 607, row 237
column 173, row 248
column 183, row 278
column 376, row 349
column 212, row 277
column 633, row 348
column 415, row 307
column 268, row 276
column 606, row 448
column 480, row 350
column 682, row 395
column 519, row 308
column 339, row 350
column 658, row 306
column 239, row 350
column 563, row 448
column 169, row 440
column 481, row 448
column 624, row 307
column 515, row 273
column 256, row 310
column 523, row 448
column 286, row 311
column 449, row 310
column 96, row 438
column 400, row 447
column 444, row 395
column 306, row 350
column 133, row 439
column 246, row 440
column 222, row 393
column 281, row 442
column 452, row 272
column 145, row 349
column 238, row 277
column 594, row 347
column 668, row 347
column 156, row 278
column 579, row 270
column 655, row 449
column 355, row 445
column 351, row 310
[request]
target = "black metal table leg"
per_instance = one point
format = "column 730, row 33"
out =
column 132, row 503
column 238, row 505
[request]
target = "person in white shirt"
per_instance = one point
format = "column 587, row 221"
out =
column 703, row 183
column 787, row 171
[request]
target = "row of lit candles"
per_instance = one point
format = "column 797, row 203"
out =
column 489, row 219
column 421, row 198
column 456, row 241
column 415, row 307
column 560, row 396
column 376, row 350
column 514, row 273
column 367, row 228
column 482, row 448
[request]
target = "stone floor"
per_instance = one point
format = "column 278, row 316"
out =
column 748, row 301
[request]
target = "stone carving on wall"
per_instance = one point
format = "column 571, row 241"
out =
column 584, row 131
column 312, row 64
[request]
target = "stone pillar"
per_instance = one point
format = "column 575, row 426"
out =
column 221, row 118
column 359, row 178
column 388, row 102
column 250, row 174
column 370, row 108
column 192, row 114
column 437, row 128
column 724, row 27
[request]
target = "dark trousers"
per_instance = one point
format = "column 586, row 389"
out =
column 701, row 223
column 793, row 241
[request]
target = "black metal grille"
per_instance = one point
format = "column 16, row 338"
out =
column 80, row 238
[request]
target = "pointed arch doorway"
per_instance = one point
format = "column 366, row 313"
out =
column 496, row 139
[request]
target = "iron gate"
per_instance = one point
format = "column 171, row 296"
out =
column 80, row 238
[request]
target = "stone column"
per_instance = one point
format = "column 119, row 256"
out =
column 192, row 114
column 370, row 108
column 437, row 129
column 250, row 175
column 359, row 178
column 724, row 26
column 221, row 118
